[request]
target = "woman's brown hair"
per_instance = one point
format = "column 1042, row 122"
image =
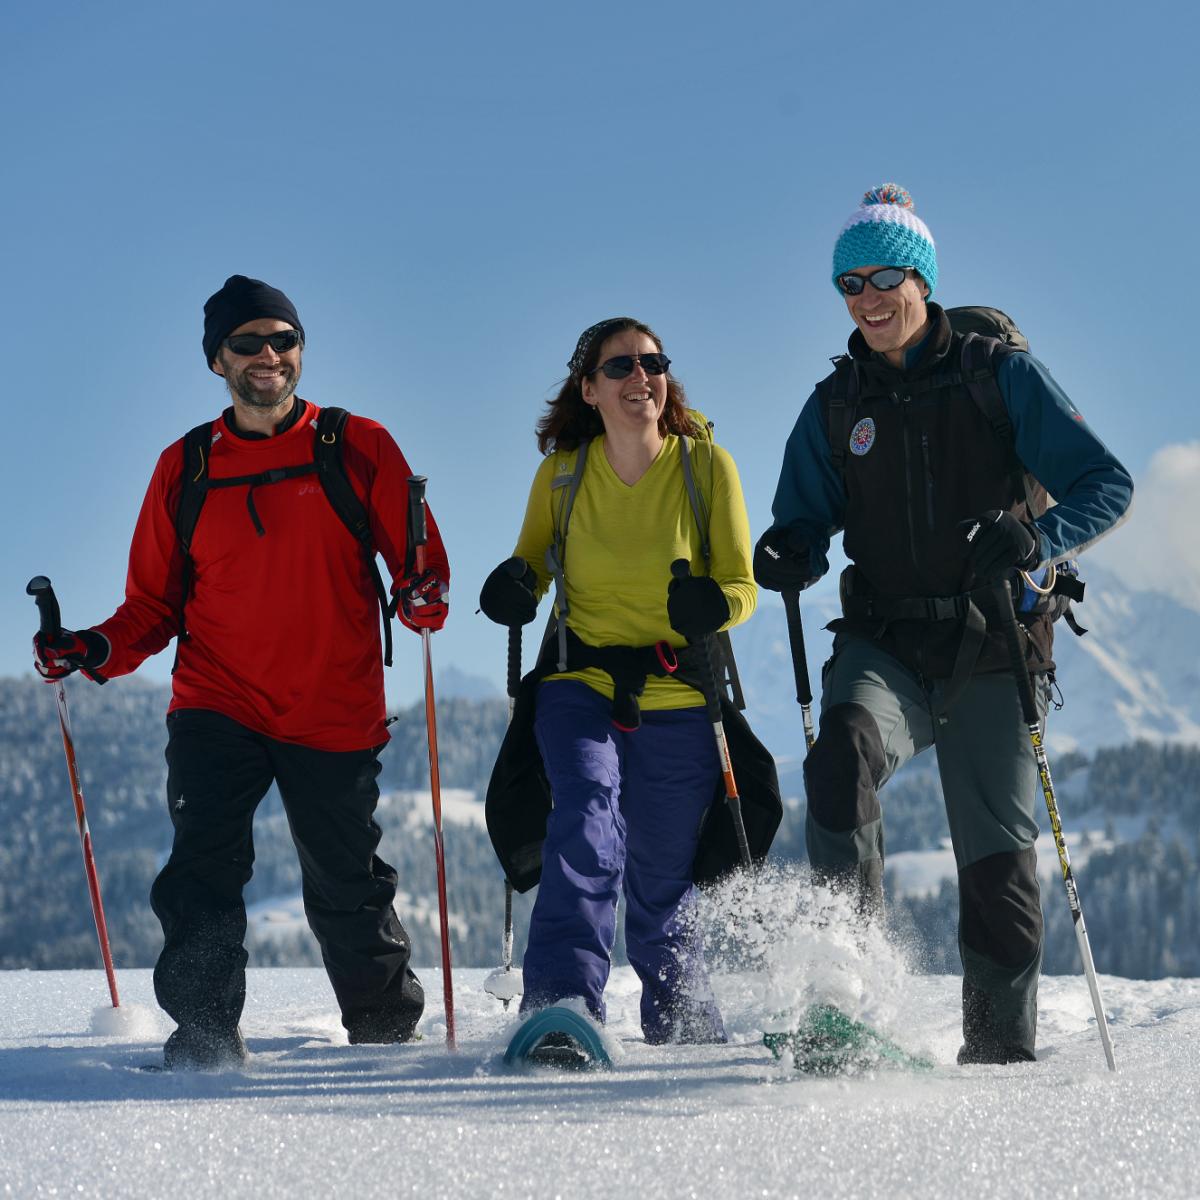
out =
column 570, row 419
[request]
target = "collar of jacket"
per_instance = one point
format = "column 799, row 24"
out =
column 250, row 435
column 932, row 351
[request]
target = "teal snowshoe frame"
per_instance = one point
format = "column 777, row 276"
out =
column 558, row 1019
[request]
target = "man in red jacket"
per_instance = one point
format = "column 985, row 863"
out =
column 278, row 677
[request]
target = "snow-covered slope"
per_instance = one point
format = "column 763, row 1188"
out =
column 311, row 1116
column 1135, row 674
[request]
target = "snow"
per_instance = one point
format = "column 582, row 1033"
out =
column 311, row 1115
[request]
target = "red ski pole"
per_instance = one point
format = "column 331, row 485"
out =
column 40, row 589
column 419, row 535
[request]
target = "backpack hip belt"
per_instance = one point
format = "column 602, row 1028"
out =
column 627, row 666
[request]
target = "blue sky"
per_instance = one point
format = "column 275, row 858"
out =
column 451, row 192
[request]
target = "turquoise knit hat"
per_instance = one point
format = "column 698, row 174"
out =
column 885, row 231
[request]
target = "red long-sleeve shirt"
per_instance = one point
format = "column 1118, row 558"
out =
column 283, row 629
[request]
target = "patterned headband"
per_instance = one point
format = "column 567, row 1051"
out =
column 592, row 334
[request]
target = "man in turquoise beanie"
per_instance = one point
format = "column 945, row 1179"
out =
column 925, row 433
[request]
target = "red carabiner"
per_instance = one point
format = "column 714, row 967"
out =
column 666, row 656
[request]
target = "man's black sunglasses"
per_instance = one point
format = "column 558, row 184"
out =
column 249, row 344
column 882, row 280
column 622, row 365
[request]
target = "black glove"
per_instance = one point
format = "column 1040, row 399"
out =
column 999, row 543
column 782, row 561
column 696, row 606
column 84, row 651
column 508, row 593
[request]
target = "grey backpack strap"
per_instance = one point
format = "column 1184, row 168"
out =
column 726, row 667
column 567, row 486
column 699, row 508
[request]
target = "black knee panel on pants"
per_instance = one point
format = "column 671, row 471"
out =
column 843, row 769
column 1001, row 909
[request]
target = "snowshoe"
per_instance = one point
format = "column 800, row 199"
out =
column 827, row 1042
column 558, row 1037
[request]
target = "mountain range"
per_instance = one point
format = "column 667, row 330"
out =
column 1135, row 675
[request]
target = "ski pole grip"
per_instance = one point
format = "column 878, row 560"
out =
column 1016, row 653
column 791, row 607
column 514, row 661
column 416, row 509
column 42, row 591
column 418, row 531
column 515, row 567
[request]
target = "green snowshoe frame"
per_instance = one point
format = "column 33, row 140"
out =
column 827, row 1042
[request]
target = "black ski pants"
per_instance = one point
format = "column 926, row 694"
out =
column 217, row 773
column 875, row 716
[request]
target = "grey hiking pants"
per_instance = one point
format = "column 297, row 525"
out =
column 875, row 716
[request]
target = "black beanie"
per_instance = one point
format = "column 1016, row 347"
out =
column 241, row 300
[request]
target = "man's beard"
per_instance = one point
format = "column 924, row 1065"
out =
column 243, row 391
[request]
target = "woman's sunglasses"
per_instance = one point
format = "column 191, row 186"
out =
column 249, row 344
column 622, row 365
column 882, row 280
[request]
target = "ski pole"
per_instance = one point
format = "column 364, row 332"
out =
column 680, row 569
column 40, row 589
column 791, row 606
column 419, row 535
column 1008, row 620
column 516, row 567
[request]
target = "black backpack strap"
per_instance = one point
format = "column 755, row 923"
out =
column 261, row 479
column 343, row 499
column 843, row 397
column 193, row 488
column 981, row 359
column 193, row 483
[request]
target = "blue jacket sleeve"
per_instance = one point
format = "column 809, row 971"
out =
column 1092, row 490
column 810, row 495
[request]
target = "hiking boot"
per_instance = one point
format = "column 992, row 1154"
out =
column 192, row 1048
column 376, row 1028
column 993, row 1053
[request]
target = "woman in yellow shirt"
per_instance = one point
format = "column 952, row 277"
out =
column 632, row 766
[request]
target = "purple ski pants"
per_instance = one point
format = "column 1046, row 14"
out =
column 627, row 814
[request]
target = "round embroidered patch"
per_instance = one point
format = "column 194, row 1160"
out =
column 862, row 436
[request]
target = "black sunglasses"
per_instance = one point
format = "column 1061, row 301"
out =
column 622, row 365
column 250, row 344
column 883, row 280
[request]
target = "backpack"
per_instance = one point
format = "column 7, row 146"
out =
column 990, row 336
column 326, row 464
column 566, row 481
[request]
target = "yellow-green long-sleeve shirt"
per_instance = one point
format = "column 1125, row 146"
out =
column 621, row 542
